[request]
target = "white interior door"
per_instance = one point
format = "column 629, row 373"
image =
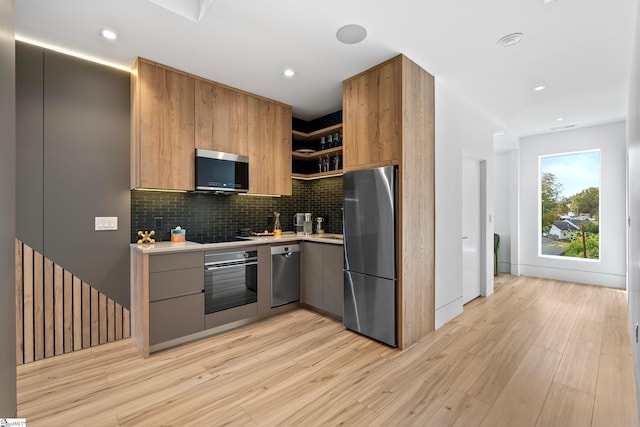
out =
column 471, row 228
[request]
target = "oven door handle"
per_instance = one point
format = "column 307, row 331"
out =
column 231, row 262
column 221, row 267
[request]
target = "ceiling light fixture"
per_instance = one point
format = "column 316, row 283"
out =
column 108, row 34
column 539, row 88
column 549, row 1
column 559, row 119
column 351, row 34
column 510, row 39
column 289, row 73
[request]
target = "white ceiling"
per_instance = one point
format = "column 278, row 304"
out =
column 580, row 49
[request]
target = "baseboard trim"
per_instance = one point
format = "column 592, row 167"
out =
column 448, row 312
column 587, row 277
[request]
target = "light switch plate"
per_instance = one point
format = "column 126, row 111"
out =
column 106, row 223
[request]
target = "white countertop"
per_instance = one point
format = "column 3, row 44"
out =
column 170, row 247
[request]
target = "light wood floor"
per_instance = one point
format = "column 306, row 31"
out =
column 537, row 353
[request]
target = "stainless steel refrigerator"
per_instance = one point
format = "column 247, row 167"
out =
column 370, row 247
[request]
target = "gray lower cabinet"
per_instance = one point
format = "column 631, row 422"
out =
column 333, row 278
column 175, row 317
column 323, row 277
column 176, row 296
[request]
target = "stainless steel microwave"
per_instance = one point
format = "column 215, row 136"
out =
column 221, row 172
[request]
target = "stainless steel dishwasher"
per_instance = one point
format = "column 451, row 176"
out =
column 285, row 274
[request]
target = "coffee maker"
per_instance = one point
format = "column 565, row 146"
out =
column 308, row 224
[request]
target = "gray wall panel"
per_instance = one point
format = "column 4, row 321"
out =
column 8, row 405
column 29, row 123
column 86, row 171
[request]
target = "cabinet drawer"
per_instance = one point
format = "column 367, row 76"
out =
column 174, row 283
column 175, row 261
column 175, row 318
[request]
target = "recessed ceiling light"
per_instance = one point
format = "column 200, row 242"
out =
column 108, row 34
column 549, row 1
column 289, row 73
column 351, row 34
column 539, row 88
column 510, row 39
column 559, row 119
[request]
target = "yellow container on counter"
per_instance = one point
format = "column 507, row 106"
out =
column 178, row 234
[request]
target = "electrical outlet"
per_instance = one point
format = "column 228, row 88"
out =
column 157, row 223
column 106, row 223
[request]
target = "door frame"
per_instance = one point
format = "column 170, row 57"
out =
column 484, row 215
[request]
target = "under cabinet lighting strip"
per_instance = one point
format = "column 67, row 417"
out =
column 159, row 190
column 259, row 195
column 72, row 53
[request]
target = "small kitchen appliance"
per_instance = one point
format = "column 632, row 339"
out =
column 308, row 225
column 298, row 223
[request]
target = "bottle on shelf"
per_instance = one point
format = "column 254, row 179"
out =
column 322, row 143
column 330, row 141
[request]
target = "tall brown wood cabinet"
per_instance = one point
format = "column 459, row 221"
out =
column 388, row 114
column 162, row 127
column 173, row 113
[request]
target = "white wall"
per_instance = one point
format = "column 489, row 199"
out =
column 505, row 184
column 611, row 269
column 460, row 127
column 633, row 145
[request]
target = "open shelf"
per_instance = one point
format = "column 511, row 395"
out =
column 316, row 155
column 304, row 165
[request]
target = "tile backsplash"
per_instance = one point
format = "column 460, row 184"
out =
column 208, row 217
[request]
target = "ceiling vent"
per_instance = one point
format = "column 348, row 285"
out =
column 193, row 10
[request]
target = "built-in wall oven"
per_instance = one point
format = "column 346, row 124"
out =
column 230, row 280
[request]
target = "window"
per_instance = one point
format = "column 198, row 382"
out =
column 570, row 205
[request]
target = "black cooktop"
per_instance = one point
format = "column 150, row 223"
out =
column 223, row 239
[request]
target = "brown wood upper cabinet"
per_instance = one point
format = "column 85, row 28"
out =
column 372, row 114
column 236, row 122
column 173, row 113
column 221, row 118
column 269, row 136
column 162, row 127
